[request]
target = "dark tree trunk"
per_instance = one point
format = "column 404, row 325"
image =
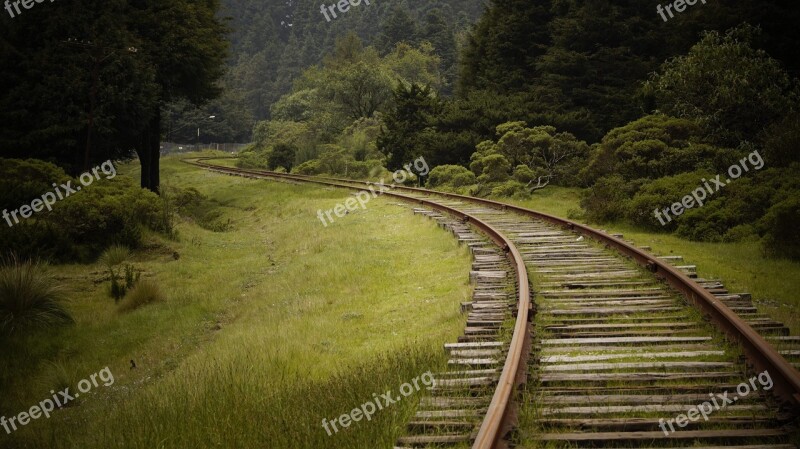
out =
column 149, row 152
column 155, row 152
column 144, row 157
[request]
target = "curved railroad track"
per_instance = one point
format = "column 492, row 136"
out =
column 618, row 344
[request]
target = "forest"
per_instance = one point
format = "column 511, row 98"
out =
column 591, row 94
column 503, row 99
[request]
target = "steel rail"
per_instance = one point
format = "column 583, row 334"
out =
column 760, row 354
column 499, row 414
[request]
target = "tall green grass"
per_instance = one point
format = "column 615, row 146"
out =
column 232, row 401
column 30, row 299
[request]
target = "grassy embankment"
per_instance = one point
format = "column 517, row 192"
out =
column 741, row 266
column 266, row 329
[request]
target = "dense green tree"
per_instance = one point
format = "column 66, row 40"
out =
column 185, row 42
column 282, row 155
column 418, row 65
column 75, row 88
column 734, row 90
column 537, row 155
column 398, row 27
column 655, row 146
column 780, row 225
column 440, row 33
column 361, row 138
column 86, row 81
column 414, row 110
column 273, row 42
column 451, row 177
column 502, row 49
column 583, row 61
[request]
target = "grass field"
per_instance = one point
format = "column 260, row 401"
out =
column 266, row 329
column 741, row 266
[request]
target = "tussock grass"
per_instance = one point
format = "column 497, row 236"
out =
column 30, row 299
column 57, row 376
column 115, row 255
column 143, row 293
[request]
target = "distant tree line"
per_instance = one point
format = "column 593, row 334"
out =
column 594, row 95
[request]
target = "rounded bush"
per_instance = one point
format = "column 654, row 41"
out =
column 450, row 176
column 782, row 237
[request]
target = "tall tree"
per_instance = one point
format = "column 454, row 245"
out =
column 185, row 42
column 502, row 49
column 85, row 81
column 398, row 27
column 73, row 88
column 403, row 138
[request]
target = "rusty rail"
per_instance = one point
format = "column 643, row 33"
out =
column 761, row 355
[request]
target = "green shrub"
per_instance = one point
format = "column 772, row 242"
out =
column 186, row 198
column 708, row 223
column 24, row 180
column 282, row 155
column 524, row 174
column 492, row 168
column 252, row 159
column 143, row 293
column 605, row 201
column 653, row 147
column 308, row 168
column 782, row 234
column 111, row 213
column 662, row 193
column 81, row 226
column 782, row 140
column 451, row 176
column 190, row 203
column 741, row 233
column 364, row 170
column 29, row 299
column 510, row 189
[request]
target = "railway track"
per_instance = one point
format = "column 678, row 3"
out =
column 617, row 345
